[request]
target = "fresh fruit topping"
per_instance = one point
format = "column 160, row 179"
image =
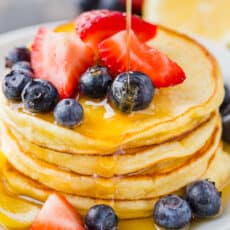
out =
column 132, row 91
column 87, row 5
column 57, row 213
column 162, row 71
column 203, row 198
column 94, row 83
column 39, row 96
column 60, row 58
column 226, row 128
column 95, row 26
column 225, row 107
column 225, row 113
column 14, row 83
column 172, row 212
column 16, row 55
column 101, row 217
column 68, row 112
column 111, row 5
column 22, row 66
column 137, row 4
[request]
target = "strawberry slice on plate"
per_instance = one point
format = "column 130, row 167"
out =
column 57, row 214
column 97, row 25
column 60, row 58
column 162, row 70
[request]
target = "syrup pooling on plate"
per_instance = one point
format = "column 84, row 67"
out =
column 15, row 212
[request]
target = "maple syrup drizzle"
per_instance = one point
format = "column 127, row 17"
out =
column 127, row 103
column 128, row 30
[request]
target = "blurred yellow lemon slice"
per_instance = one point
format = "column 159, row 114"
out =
column 209, row 19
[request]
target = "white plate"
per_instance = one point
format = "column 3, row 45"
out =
column 222, row 55
column 24, row 36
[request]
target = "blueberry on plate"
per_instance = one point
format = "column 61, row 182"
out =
column 225, row 106
column 172, row 212
column 101, row 217
column 22, row 66
column 68, row 112
column 86, row 5
column 16, row 55
column 39, row 96
column 111, row 5
column 203, row 198
column 14, row 83
column 94, row 83
column 132, row 91
column 225, row 113
column 226, row 128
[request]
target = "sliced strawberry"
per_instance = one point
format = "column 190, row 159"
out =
column 162, row 71
column 60, row 58
column 137, row 4
column 57, row 214
column 97, row 25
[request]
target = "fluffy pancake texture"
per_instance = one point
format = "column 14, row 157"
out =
column 126, row 161
column 140, row 159
column 126, row 209
column 140, row 186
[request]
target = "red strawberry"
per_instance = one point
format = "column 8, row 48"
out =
column 162, row 71
column 97, row 25
column 57, row 213
column 137, row 4
column 60, row 58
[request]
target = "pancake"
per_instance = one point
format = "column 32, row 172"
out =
column 157, row 158
column 127, row 161
column 125, row 187
column 23, row 185
column 173, row 112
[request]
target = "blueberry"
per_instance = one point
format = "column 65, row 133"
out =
column 203, row 198
column 111, row 5
column 101, row 217
column 68, row 112
column 225, row 113
column 39, row 96
column 94, row 83
column 226, row 128
column 16, row 55
column 172, row 212
column 22, row 66
column 14, row 83
column 133, row 94
column 86, row 5
column 225, row 106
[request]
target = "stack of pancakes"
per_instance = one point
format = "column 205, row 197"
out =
column 126, row 161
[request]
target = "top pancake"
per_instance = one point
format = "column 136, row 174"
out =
column 173, row 112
